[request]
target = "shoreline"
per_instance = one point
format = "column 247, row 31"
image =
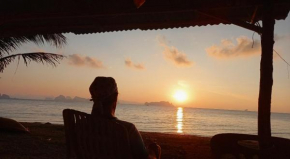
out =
column 47, row 140
column 165, row 133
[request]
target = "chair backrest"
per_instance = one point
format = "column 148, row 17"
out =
column 90, row 137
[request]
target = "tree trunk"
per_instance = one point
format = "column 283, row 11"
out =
column 266, row 76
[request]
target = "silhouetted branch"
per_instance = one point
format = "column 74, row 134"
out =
column 49, row 58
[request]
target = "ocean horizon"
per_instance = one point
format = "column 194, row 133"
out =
column 164, row 119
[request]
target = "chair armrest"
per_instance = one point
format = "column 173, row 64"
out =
column 154, row 151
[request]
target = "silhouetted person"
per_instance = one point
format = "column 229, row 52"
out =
column 104, row 93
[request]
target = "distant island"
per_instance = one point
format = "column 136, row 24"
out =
column 128, row 102
column 4, row 96
column 62, row 98
column 58, row 98
column 161, row 103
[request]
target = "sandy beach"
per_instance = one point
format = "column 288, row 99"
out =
column 48, row 141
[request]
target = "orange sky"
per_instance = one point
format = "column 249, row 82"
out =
column 216, row 65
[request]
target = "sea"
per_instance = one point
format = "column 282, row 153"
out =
column 174, row 120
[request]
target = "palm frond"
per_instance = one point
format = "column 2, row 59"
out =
column 8, row 44
column 57, row 40
column 40, row 57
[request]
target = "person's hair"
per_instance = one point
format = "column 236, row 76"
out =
column 104, row 91
column 110, row 100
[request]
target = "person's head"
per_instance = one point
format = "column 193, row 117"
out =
column 104, row 93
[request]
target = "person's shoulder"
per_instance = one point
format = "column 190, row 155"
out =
column 126, row 124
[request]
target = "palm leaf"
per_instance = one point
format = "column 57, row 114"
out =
column 8, row 44
column 40, row 57
column 57, row 40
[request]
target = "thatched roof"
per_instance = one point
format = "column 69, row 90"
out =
column 27, row 17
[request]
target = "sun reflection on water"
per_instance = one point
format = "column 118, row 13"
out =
column 179, row 119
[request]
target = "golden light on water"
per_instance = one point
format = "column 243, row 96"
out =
column 180, row 95
column 179, row 119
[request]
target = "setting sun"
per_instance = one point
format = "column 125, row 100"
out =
column 180, row 95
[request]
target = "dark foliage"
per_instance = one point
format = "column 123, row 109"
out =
column 9, row 44
column 48, row 58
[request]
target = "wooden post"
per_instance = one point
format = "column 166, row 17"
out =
column 266, row 76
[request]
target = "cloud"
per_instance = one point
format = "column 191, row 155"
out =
column 281, row 37
column 228, row 49
column 172, row 54
column 80, row 61
column 130, row 64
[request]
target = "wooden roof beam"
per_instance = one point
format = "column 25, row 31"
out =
column 235, row 22
column 246, row 25
column 253, row 20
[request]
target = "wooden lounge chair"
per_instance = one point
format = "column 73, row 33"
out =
column 94, row 138
column 244, row 146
